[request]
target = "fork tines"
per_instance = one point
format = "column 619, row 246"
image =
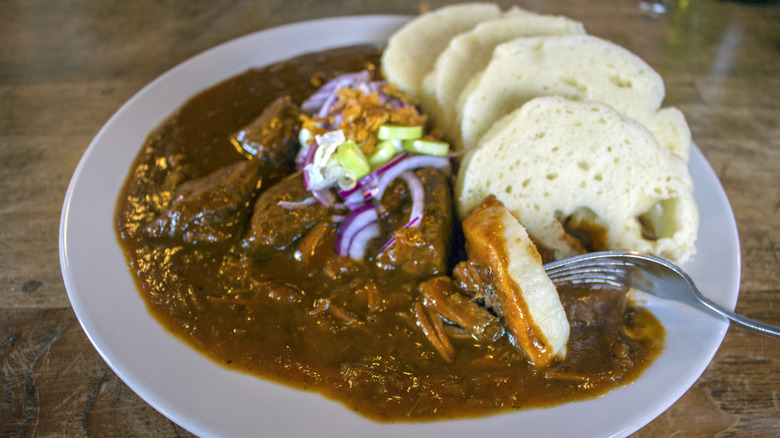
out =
column 592, row 271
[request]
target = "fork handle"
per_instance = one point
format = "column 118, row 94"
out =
column 740, row 320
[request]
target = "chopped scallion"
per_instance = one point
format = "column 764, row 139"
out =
column 394, row 132
column 385, row 150
column 427, row 147
column 353, row 159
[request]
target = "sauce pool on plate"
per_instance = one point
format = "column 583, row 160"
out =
column 294, row 311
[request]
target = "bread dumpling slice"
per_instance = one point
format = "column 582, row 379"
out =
column 412, row 50
column 469, row 53
column 564, row 167
column 500, row 249
column 580, row 67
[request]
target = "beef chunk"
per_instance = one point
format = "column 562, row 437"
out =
column 210, row 209
column 423, row 249
column 273, row 136
column 276, row 226
column 440, row 295
column 605, row 307
column 476, row 281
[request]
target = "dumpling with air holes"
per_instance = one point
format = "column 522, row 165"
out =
column 412, row 50
column 580, row 67
column 469, row 53
column 568, row 168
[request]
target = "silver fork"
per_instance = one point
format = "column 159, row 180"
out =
column 647, row 273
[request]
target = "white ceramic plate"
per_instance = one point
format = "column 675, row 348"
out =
column 209, row 400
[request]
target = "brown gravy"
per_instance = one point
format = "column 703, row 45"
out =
column 305, row 318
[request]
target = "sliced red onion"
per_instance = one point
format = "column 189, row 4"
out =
column 300, row 157
column 374, row 184
column 388, row 244
column 357, row 248
column 396, row 103
column 381, row 170
column 377, row 86
column 337, row 120
column 355, row 194
column 410, row 163
column 418, row 198
column 414, row 222
column 363, row 88
column 321, row 101
column 325, row 109
column 324, row 196
column 292, row 205
column 315, row 101
column 351, row 197
column 380, row 209
column 455, row 154
column 418, row 204
column 362, row 77
column 356, row 220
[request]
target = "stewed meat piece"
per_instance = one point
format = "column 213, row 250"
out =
column 273, row 136
column 420, row 249
column 441, row 295
column 210, row 209
column 282, row 214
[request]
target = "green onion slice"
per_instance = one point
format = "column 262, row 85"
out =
column 353, row 159
column 394, row 132
column 428, row 147
column 384, row 152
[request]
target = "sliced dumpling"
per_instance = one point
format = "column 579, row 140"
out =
column 566, row 168
column 580, row 67
column 469, row 53
column 502, row 252
column 412, row 51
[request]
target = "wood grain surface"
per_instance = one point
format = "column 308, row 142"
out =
column 67, row 66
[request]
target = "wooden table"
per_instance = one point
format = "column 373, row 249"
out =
column 66, row 66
